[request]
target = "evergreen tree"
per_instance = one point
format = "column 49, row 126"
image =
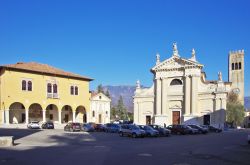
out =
column 100, row 88
column 121, row 109
column 113, row 113
column 107, row 94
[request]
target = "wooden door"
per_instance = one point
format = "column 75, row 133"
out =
column 176, row 117
column 206, row 119
column 148, row 120
column 100, row 118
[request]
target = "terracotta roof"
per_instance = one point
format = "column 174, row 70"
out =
column 44, row 69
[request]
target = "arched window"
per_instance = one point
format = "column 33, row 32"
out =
column 29, row 86
column 49, row 88
column 176, row 82
column 76, row 90
column 93, row 113
column 54, row 88
column 236, row 66
column 239, row 65
column 232, row 66
column 24, row 85
column 72, row 90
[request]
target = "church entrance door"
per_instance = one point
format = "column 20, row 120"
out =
column 206, row 120
column 148, row 120
column 176, row 117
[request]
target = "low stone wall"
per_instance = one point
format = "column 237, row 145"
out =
column 6, row 141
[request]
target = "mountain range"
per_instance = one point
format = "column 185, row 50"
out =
column 127, row 93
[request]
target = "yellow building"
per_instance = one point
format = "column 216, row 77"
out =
column 33, row 91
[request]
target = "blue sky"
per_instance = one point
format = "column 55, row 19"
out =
column 115, row 42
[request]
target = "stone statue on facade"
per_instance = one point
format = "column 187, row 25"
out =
column 138, row 84
column 193, row 58
column 175, row 49
column 157, row 58
column 219, row 76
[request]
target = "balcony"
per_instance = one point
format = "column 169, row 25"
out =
column 52, row 95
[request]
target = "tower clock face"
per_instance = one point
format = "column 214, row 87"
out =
column 236, row 90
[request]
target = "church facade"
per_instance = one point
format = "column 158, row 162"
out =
column 180, row 93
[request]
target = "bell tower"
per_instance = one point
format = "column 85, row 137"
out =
column 236, row 72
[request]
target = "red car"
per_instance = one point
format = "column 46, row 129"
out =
column 72, row 127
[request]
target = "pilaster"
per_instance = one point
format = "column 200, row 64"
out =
column 187, row 95
column 158, row 96
column 194, row 99
column 163, row 96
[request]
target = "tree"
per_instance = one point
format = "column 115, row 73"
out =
column 113, row 113
column 235, row 110
column 121, row 109
column 107, row 94
column 100, row 88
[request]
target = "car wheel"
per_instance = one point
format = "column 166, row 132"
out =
column 133, row 135
column 121, row 134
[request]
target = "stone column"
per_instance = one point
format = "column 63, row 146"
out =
column 74, row 116
column 44, row 115
column 59, row 117
column 163, row 96
column 7, row 116
column 158, row 97
column 194, row 92
column 26, row 116
column 187, row 95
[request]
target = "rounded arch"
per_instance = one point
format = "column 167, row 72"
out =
column 52, row 113
column 67, row 114
column 35, row 112
column 176, row 82
column 16, row 113
column 81, row 114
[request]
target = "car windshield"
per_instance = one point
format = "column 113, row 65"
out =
column 148, row 128
column 35, row 122
column 134, row 127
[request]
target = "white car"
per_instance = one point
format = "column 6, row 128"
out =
column 33, row 125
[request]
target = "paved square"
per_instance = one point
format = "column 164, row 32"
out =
column 58, row 147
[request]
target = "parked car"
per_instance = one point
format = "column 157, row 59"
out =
column 112, row 128
column 72, row 127
column 248, row 138
column 131, row 130
column 48, row 125
column 200, row 129
column 149, row 131
column 212, row 128
column 33, row 125
column 88, row 128
column 192, row 130
column 100, row 128
column 162, row 131
column 180, row 129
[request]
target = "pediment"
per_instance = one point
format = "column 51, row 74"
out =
column 175, row 63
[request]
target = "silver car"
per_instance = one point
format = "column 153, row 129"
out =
column 149, row 131
column 131, row 130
